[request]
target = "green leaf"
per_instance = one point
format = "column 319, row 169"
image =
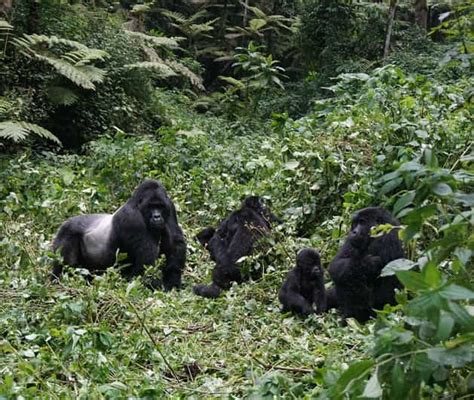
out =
column 456, row 358
column 256, row 23
column 404, row 201
column 400, row 386
column 431, row 274
column 462, row 316
column 401, row 264
column 442, row 189
column 445, row 326
column 390, row 185
column 292, row 164
column 456, row 292
column 356, row 372
column 412, row 280
column 372, row 388
column 410, row 166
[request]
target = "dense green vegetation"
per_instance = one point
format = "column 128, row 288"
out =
column 218, row 100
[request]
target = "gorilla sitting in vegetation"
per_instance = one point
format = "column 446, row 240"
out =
column 236, row 237
column 355, row 270
column 144, row 228
column 304, row 285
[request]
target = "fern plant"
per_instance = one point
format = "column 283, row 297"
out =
column 163, row 66
column 18, row 131
column 75, row 65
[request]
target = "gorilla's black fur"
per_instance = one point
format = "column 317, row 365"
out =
column 304, row 285
column 145, row 227
column 236, row 237
column 356, row 268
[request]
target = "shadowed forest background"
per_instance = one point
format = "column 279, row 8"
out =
column 322, row 107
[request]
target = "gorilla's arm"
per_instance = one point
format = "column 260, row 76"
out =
column 342, row 269
column 174, row 248
column 320, row 297
column 134, row 239
column 205, row 235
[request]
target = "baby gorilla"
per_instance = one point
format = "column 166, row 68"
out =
column 304, row 285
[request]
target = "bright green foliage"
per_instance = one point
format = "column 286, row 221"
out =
column 398, row 136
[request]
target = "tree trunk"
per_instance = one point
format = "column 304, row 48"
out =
column 391, row 17
column 246, row 13
column 421, row 13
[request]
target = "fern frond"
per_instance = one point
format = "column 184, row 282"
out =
column 5, row 26
column 163, row 69
column 84, row 75
column 195, row 80
column 175, row 16
column 5, row 106
column 35, row 39
column 62, row 96
column 198, row 15
column 18, row 131
column 84, row 56
column 140, row 8
column 171, row 42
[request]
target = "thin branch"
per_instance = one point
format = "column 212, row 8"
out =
column 157, row 347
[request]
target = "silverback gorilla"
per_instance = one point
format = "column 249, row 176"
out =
column 304, row 285
column 356, row 268
column 145, row 227
column 236, row 237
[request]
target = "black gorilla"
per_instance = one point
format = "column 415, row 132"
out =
column 304, row 285
column 144, row 228
column 236, row 237
column 356, row 268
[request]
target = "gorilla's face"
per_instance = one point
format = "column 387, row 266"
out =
column 155, row 210
column 309, row 263
column 362, row 222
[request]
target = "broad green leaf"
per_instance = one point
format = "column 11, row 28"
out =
column 390, row 185
column 412, row 280
column 431, row 274
column 442, row 189
column 456, row 292
column 399, row 385
column 356, row 372
column 456, row 358
column 461, row 315
column 445, row 327
column 402, row 264
column 403, row 201
column 257, row 23
column 410, row 166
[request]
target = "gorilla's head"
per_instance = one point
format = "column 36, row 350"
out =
column 363, row 221
column 153, row 203
column 309, row 263
column 257, row 203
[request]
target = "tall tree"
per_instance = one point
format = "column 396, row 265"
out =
column 421, row 13
column 388, row 35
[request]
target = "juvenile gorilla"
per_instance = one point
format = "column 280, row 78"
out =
column 304, row 285
column 145, row 227
column 236, row 237
column 356, row 268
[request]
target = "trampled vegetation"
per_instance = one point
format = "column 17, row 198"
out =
column 299, row 102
